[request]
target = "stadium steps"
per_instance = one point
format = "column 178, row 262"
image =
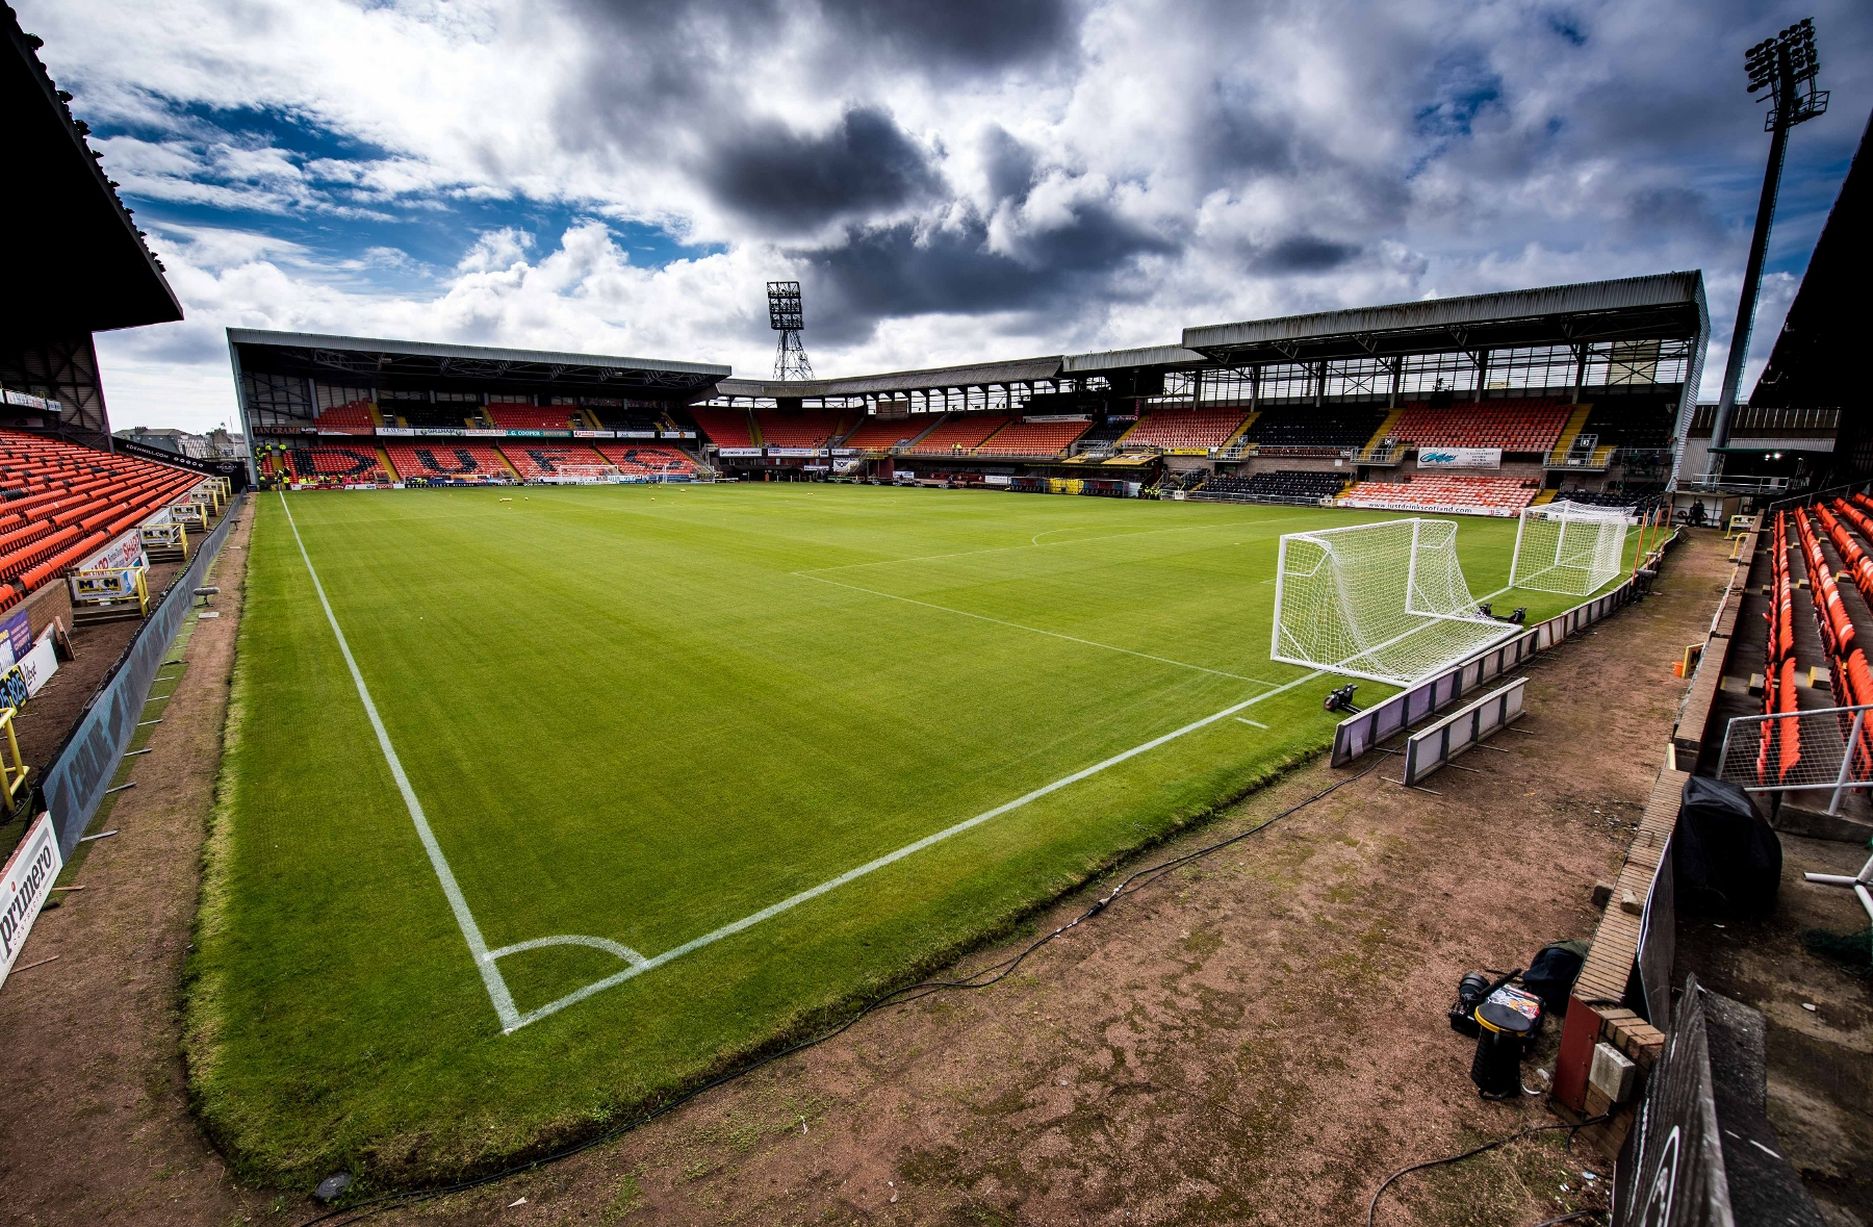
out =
column 1602, row 456
column 377, row 415
column 1379, row 435
column 1576, row 422
column 1546, row 496
column 383, row 458
column 1241, row 430
column 941, row 418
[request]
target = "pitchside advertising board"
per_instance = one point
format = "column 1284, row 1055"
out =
column 1459, row 457
column 125, row 551
column 24, row 888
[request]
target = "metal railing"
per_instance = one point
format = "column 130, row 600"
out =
column 1827, row 750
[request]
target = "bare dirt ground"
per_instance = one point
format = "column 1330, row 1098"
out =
column 1257, row 1037
column 97, row 1127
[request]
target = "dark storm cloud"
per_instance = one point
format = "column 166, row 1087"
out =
column 892, row 271
column 1302, row 253
column 1010, row 165
column 783, row 180
column 972, row 35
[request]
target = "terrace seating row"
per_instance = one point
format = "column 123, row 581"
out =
column 628, row 418
column 1527, row 426
column 724, row 427
column 426, row 416
column 880, row 434
column 1500, row 496
column 1104, row 434
column 648, row 460
column 450, row 461
column 808, row 428
column 537, row 460
column 1274, row 486
column 1174, row 429
column 1311, row 431
column 351, row 418
column 1781, row 742
column 534, row 417
column 958, row 434
column 1041, row 439
column 63, row 502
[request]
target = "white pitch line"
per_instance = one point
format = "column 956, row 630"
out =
column 1035, row 630
column 1255, row 723
column 891, row 858
column 471, row 932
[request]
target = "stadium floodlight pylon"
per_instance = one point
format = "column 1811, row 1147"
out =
column 1568, row 548
column 1387, row 602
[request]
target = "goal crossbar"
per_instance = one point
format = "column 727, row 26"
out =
column 1573, row 549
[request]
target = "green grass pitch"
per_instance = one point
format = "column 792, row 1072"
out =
column 672, row 723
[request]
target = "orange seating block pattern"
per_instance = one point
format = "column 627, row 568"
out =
column 64, row 502
column 1528, row 426
column 810, row 428
column 960, row 434
column 1033, row 438
column 649, row 459
column 1499, row 496
column 1185, row 428
column 724, row 427
column 532, row 417
column 448, row 461
column 544, row 460
column 329, row 465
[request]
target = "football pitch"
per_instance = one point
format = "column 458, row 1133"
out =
column 535, row 811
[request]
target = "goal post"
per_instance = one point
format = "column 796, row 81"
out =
column 1387, row 602
column 1568, row 548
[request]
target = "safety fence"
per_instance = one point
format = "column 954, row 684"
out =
column 74, row 783
column 1827, row 749
column 1441, row 743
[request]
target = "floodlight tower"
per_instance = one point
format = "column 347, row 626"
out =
column 785, row 316
column 1785, row 66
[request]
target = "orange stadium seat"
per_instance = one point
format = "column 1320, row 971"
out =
column 1514, row 426
column 532, row 417
column 1040, row 439
column 957, row 435
column 1171, row 429
column 1500, row 496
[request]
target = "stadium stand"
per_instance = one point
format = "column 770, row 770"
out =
column 959, row 434
column 323, row 465
column 535, row 461
column 532, row 417
column 1632, row 497
column 724, row 427
column 1274, row 486
column 1499, row 496
column 448, row 462
column 63, row 502
column 1525, row 426
column 628, row 418
column 352, row 418
column 1038, row 439
column 1648, row 428
column 1175, row 429
column 879, row 434
column 649, row 460
column 426, row 416
column 808, row 428
column 1313, row 431
column 1104, row 436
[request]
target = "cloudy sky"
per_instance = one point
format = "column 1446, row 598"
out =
column 951, row 180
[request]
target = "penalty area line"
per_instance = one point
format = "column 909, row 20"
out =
column 892, row 857
column 471, row 932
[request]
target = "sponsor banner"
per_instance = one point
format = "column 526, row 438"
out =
column 474, row 433
column 448, row 432
column 796, row 451
column 903, row 475
column 845, row 451
column 1459, row 457
column 738, row 452
column 636, row 434
column 997, row 479
column 38, row 665
column 1055, row 417
column 19, row 637
column 676, row 434
column 594, row 434
column 396, row 431
column 25, row 886
column 125, row 551
column 27, row 400
column 1186, row 451
column 346, row 432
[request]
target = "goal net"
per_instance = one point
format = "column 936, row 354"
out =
column 1386, row 601
column 1568, row 548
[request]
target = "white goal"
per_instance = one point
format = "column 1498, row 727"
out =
column 1568, row 548
column 1387, row 602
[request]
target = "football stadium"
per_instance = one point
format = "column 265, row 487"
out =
column 535, row 785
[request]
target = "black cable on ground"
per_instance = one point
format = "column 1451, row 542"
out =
column 1372, row 1207
column 982, row 977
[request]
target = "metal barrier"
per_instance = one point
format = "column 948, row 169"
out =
column 74, row 783
column 1829, row 749
column 1445, row 741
